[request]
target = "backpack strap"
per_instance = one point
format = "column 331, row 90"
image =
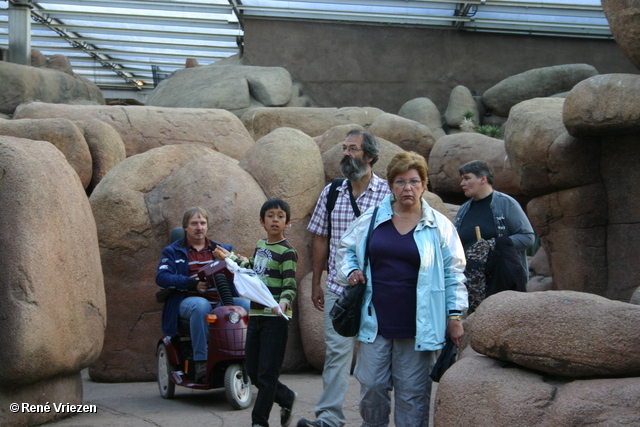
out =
column 332, row 196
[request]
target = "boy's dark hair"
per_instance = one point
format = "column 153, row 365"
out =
column 275, row 204
column 369, row 144
column 478, row 168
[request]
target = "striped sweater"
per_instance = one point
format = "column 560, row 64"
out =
column 275, row 264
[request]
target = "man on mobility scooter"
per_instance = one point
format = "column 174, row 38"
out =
column 188, row 298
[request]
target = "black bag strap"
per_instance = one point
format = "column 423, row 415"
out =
column 354, row 205
column 332, row 196
column 369, row 233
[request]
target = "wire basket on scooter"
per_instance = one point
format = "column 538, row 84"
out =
column 228, row 341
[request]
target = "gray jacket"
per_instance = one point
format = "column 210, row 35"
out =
column 510, row 221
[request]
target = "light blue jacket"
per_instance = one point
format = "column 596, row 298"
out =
column 440, row 288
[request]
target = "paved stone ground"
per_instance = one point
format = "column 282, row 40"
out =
column 140, row 405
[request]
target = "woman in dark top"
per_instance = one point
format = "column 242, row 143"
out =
column 499, row 217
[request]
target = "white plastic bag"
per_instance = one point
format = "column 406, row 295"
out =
column 250, row 286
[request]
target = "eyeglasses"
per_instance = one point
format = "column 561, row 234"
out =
column 351, row 149
column 401, row 183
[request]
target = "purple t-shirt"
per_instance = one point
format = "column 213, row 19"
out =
column 395, row 262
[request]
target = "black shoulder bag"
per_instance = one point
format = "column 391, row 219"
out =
column 347, row 311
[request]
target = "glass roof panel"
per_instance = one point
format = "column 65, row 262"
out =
column 118, row 43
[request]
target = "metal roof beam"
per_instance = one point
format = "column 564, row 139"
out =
column 171, row 6
column 182, row 35
column 133, row 19
column 138, row 43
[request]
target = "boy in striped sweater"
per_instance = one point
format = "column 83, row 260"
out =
column 274, row 260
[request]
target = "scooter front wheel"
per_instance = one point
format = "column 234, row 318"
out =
column 166, row 386
column 237, row 387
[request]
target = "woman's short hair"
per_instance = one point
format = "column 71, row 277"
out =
column 478, row 168
column 402, row 162
column 191, row 212
column 369, row 144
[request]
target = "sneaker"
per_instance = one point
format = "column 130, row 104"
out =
column 286, row 414
column 201, row 371
column 302, row 422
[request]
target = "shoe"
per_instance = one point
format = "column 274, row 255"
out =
column 286, row 414
column 302, row 422
column 201, row 371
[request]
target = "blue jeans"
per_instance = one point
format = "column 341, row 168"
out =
column 195, row 309
column 264, row 352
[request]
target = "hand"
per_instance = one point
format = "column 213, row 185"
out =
column 317, row 297
column 357, row 276
column 221, row 253
column 455, row 330
column 280, row 309
column 202, row 287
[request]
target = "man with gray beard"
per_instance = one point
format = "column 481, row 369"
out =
column 361, row 190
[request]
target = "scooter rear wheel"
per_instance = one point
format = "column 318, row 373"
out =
column 237, row 387
column 166, row 386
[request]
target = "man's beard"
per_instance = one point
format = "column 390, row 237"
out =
column 353, row 169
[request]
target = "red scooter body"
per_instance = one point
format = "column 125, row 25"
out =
column 225, row 350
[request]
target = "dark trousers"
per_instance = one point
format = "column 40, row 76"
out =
column 264, row 351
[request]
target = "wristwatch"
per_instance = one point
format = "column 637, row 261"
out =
column 456, row 317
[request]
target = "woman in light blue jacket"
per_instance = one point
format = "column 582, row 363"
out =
column 415, row 295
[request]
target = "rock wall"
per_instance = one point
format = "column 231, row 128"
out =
column 144, row 128
column 52, row 296
column 22, row 83
column 575, row 372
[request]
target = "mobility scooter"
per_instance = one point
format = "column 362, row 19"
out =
column 227, row 336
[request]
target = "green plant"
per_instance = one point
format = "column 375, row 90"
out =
column 468, row 114
column 490, row 130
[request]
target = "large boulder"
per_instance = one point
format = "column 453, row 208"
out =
column 22, row 83
column 406, row 134
column 531, row 129
column 568, row 342
column 460, row 102
column 63, row 134
column 452, row 151
column 105, row 145
column 572, row 225
column 51, row 288
column 312, row 121
column 604, row 105
column 624, row 22
column 335, row 135
column 230, row 87
column 482, row 391
column 620, row 175
column 311, row 324
column 136, row 205
column 144, row 128
column 332, row 157
column 536, row 83
column 287, row 164
column 423, row 110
